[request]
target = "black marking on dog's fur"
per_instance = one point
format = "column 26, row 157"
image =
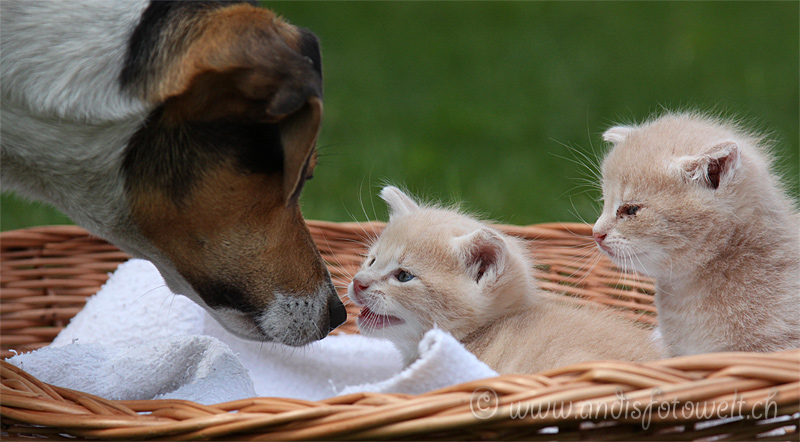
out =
column 149, row 39
column 172, row 158
column 222, row 294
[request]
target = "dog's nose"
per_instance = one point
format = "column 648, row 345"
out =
column 337, row 313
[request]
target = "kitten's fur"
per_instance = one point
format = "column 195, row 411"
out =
column 475, row 283
column 713, row 227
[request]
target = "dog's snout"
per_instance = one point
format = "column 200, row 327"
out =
column 337, row 313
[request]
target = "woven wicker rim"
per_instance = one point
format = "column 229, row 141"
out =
column 48, row 272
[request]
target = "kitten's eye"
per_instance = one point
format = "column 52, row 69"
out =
column 627, row 210
column 371, row 261
column 404, row 276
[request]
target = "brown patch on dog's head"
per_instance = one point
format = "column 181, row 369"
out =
column 209, row 61
column 214, row 175
column 233, row 234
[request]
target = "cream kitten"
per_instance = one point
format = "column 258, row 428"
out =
column 434, row 267
column 691, row 202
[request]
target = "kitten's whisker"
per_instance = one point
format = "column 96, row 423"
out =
column 335, row 257
column 576, row 191
column 574, row 211
column 367, row 236
column 579, row 262
column 580, row 265
column 641, row 264
column 370, row 237
column 345, row 270
column 633, row 277
column 372, row 199
column 595, row 159
column 593, row 169
column 361, row 200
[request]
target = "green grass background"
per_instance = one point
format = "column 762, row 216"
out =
column 479, row 101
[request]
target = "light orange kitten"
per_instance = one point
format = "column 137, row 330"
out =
column 691, row 201
column 437, row 267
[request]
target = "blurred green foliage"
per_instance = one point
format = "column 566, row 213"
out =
column 490, row 103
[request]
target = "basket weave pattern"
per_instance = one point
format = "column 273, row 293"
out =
column 47, row 273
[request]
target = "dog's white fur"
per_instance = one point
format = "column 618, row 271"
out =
column 61, row 92
column 67, row 67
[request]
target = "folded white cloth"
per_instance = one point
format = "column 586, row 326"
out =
column 345, row 364
column 443, row 361
column 136, row 339
column 186, row 367
column 133, row 307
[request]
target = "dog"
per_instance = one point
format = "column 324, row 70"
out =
column 183, row 133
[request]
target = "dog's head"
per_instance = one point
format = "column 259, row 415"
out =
column 214, row 175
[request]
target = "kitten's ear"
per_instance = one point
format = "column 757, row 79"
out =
column 718, row 165
column 483, row 251
column 399, row 203
column 617, row 134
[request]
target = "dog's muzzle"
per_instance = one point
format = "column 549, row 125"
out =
column 289, row 319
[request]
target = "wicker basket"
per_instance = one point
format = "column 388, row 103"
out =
column 48, row 272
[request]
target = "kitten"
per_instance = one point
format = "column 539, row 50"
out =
column 434, row 267
column 691, row 202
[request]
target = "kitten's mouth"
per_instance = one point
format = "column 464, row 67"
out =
column 607, row 250
column 368, row 318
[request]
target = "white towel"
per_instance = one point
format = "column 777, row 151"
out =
column 133, row 307
column 168, row 347
column 186, row 367
column 443, row 361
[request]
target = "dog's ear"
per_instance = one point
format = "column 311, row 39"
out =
column 260, row 94
column 299, row 138
column 235, row 61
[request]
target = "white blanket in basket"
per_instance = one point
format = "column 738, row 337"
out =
column 137, row 340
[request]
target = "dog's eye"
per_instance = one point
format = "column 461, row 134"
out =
column 627, row 210
column 404, row 276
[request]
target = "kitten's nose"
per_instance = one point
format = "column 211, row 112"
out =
column 359, row 285
column 599, row 237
